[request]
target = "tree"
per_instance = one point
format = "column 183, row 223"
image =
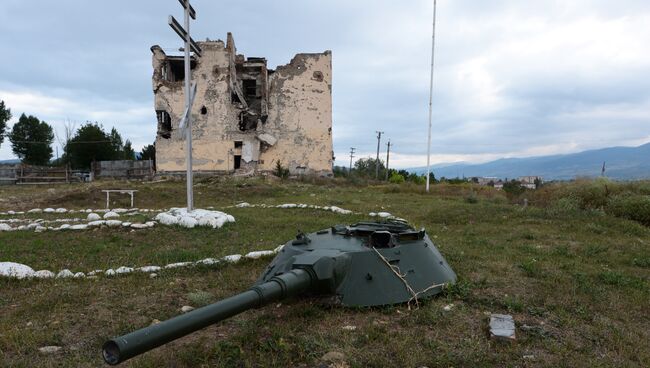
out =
column 149, row 153
column 90, row 143
column 116, row 142
column 5, row 115
column 31, row 140
column 366, row 167
column 127, row 151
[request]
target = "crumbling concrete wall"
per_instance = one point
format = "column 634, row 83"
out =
column 245, row 116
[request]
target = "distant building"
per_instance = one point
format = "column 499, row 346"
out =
column 487, row 180
column 530, row 182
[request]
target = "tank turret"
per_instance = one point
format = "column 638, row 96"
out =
column 363, row 264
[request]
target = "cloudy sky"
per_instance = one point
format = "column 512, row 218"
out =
column 512, row 78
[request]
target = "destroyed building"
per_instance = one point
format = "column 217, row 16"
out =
column 245, row 117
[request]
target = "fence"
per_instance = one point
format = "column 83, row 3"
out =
column 124, row 169
column 28, row 174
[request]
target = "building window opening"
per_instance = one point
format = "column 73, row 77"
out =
column 250, row 87
column 176, row 69
column 204, row 110
column 164, row 124
column 237, row 162
column 239, row 144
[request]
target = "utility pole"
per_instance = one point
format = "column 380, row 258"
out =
column 377, row 162
column 387, row 158
column 433, row 48
column 351, row 157
column 190, row 91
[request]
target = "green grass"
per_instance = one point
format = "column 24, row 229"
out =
column 578, row 279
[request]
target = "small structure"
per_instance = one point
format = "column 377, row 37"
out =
column 245, row 116
column 108, row 192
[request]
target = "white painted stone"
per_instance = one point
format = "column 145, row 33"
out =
column 17, row 270
column 93, row 217
column 64, row 274
column 123, row 270
column 61, row 210
column 44, row 274
column 110, row 272
column 49, row 349
column 79, row 227
column 79, row 275
column 113, row 223
column 259, row 254
column 178, row 265
column 187, row 308
column 233, row 258
column 243, row 205
column 97, row 223
column 35, row 210
column 188, row 222
column 149, row 269
column 207, row 261
column 110, row 214
column 5, row 227
column 126, row 224
column 48, row 210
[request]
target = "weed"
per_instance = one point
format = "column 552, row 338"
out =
column 531, row 268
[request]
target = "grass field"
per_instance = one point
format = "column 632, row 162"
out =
column 576, row 280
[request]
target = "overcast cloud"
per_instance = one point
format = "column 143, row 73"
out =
column 512, row 78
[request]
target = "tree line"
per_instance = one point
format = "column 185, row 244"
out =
column 366, row 168
column 31, row 140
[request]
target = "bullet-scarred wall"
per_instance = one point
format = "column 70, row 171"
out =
column 245, row 118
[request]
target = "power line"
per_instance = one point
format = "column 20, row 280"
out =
column 351, row 157
column 377, row 162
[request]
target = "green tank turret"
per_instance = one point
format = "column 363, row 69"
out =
column 364, row 264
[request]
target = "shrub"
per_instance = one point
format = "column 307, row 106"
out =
column 632, row 207
column 396, row 178
column 281, row 171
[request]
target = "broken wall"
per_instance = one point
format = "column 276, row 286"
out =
column 286, row 114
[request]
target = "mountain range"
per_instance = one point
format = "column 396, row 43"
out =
column 621, row 163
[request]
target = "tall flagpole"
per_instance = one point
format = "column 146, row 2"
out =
column 188, row 141
column 433, row 46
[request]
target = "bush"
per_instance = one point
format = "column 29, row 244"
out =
column 396, row 178
column 632, row 207
column 281, row 171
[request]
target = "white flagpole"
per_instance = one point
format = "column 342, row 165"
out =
column 433, row 45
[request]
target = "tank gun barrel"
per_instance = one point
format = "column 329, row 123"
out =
column 121, row 348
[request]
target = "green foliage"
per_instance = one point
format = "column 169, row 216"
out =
column 513, row 187
column 31, row 139
column 5, row 115
column 366, row 167
column 149, row 153
column 632, row 207
column 91, row 143
column 200, row 298
column 281, row 171
column 396, row 178
column 127, row 152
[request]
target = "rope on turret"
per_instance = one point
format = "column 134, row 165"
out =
column 402, row 277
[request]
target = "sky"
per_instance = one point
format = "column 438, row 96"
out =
column 512, row 78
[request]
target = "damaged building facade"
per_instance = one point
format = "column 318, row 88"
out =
column 245, row 117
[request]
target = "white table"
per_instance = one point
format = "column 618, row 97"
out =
column 123, row 191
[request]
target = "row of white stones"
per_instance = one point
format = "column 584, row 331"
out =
column 21, row 271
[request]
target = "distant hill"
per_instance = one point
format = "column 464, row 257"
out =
column 623, row 163
column 10, row 162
